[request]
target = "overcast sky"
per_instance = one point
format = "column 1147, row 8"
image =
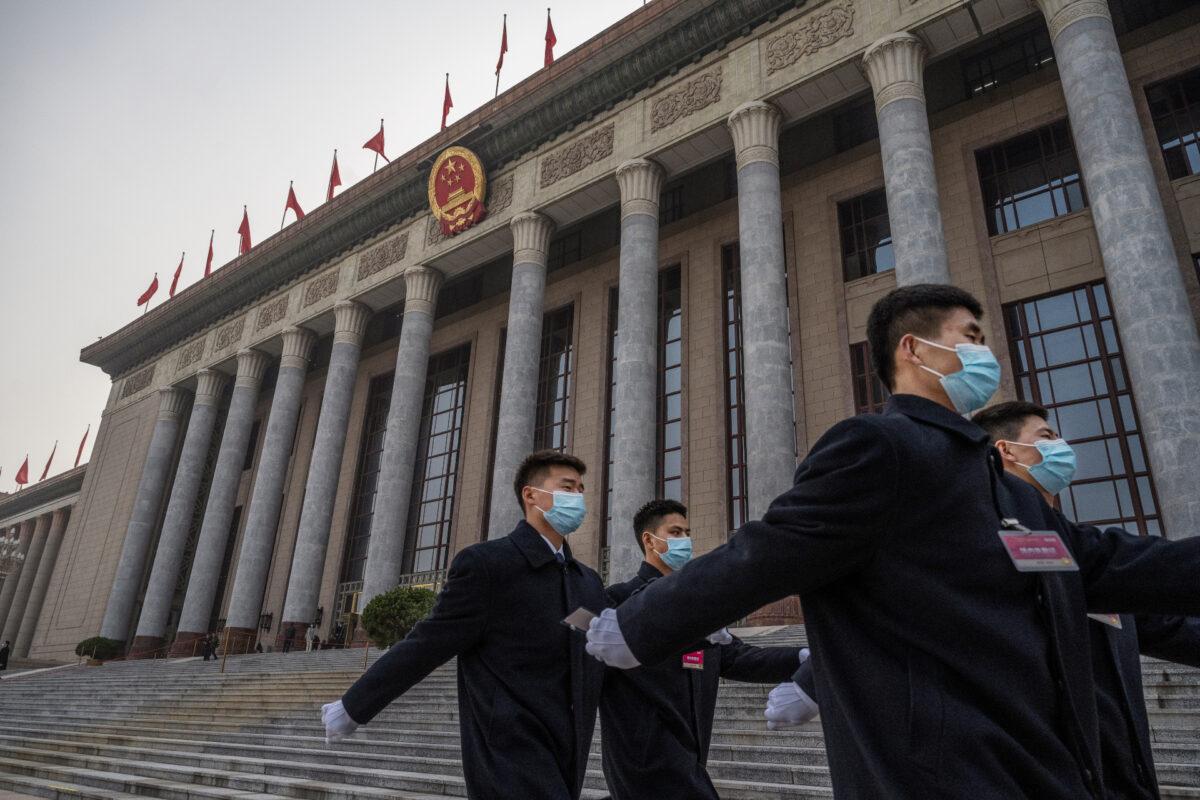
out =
column 130, row 129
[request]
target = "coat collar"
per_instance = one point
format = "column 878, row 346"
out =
column 648, row 572
column 931, row 413
column 533, row 546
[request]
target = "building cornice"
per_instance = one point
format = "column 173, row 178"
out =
column 615, row 65
column 42, row 495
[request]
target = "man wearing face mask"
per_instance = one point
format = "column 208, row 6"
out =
column 656, row 721
column 950, row 653
column 527, row 693
column 1032, row 451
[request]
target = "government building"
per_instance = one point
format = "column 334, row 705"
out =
column 659, row 254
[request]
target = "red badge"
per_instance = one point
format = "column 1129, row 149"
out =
column 457, row 188
column 1038, row 551
column 693, row 660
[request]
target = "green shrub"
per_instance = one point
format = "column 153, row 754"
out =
column 99, row 648
column 390, row 616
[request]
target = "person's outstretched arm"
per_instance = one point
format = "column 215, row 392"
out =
column 826, row 526
column 749, row 664
column 455, row 624
column 1170, row 638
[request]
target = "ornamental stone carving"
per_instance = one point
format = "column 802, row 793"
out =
column 500, row 195
column 697, row 93
column 137, row 381
column 321, row 287
column 814, row 32
column 581, row 153
column 382, row 256
column 229, row 335
column 190, row 354
column 433, row 233
column 271, row 313
column 1061, row 13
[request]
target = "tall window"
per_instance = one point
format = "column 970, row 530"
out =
column 1021, row 51
column 869, row 392
column 735, row 395
column 1175, row 107
column 670, row 384
column 427, row 540
column 866, row 235
column 1031, row 178
column 611, row 404
column 362, row 506
column 670, row 205
column 1067, row 356
column 554, row 381
column 566, row 249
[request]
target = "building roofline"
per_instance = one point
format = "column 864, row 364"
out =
column 42, row 493
column 627, row 57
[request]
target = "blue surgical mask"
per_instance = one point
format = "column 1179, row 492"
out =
column 567, row 512
column 1057, row 469
column 971, row 387
column 679, row 551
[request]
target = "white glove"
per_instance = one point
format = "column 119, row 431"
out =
column 788, row 706
column 804, row 654
column 337, row 722
column 606, row 642
column 722, row 636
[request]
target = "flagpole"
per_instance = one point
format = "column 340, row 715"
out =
column 504, row 28
column 283, row 216
column 376, row 164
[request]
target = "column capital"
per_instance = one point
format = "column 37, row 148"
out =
column 297, row 347
column 531, row 237
column 1061, row 13
column 172, row 400
column 421, row 285
column 641, row 183
column 350, row 321
column 251, row 366
column 755, row 129
column 895, row 67
column 209, row 383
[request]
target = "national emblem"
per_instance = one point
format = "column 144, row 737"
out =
column 457, row 188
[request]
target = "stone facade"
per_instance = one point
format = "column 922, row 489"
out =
column 797, row 60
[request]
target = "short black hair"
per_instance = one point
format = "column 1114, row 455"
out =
column 651, row 515
column 1005, row 420
column 535, row 466
column 918, row 309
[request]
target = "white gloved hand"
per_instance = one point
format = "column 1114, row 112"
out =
column 606, row 642
column 804, row 654
column 788, row 706
column 722, row 636
column 337, row 722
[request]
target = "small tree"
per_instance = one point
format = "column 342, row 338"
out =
column 390, row 616
column 99, row 648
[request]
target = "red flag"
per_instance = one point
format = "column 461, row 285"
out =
column 82, row 442
column 375, row 143
column 293, row 204
column 447, row 103
column 244, row 232
column 551, row 40
column 175, row 280
column 23, row 473
column 503, row 45
column 150, row 290
column 335, row 177
column 49, row 460
column 208, row 261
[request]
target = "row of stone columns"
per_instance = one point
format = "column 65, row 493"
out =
column 1158, row 331
column 24, row 592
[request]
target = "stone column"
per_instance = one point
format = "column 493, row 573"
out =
column 262, row 519
column 155, row 473
column 37, row 593
column 522, row 354
column 770, row 409
column 316, row 516
column 164, row 573
column 1149, row 299
column 385, row 550
column 634, row 470
column 11, row 582
column 16, row 612
column 894, row 66
column 205, row 575
column 25, row 536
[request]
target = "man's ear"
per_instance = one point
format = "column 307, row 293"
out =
column 1006, row 452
